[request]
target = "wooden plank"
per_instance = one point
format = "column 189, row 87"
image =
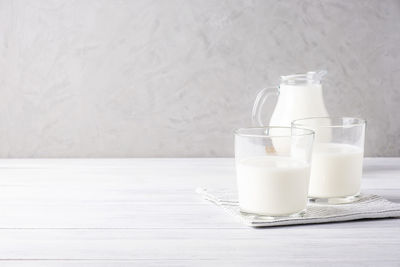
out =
column 198, row 262
column 274, row 244
column 103, row 215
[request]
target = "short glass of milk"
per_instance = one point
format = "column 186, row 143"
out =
column 273, row 170
column 337, row 158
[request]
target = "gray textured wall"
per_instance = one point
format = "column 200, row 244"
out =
column 173, row 78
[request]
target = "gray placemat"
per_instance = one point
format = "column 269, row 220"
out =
column 367, row 207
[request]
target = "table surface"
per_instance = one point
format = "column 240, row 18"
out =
column 119, row 212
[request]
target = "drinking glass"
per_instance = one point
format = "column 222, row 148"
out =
column 273, row 170
column 337, row 158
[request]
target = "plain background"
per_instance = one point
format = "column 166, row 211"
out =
column 113, row 78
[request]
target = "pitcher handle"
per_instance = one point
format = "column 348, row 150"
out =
column 259, row 102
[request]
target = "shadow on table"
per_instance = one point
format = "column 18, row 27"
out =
column 360, row 223
column 379, row 168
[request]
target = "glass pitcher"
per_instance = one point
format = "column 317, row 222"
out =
column 299, row 96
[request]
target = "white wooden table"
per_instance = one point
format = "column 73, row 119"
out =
column 119, row 212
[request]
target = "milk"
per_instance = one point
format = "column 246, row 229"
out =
column 336, row 170
column 297, row 102
column 273, row 186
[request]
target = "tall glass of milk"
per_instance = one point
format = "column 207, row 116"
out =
column 273, row 182
column 337, row 158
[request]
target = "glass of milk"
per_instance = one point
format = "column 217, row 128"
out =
column 337, row 158
column 273, row 182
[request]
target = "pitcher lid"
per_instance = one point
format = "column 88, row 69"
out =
column 304, row 78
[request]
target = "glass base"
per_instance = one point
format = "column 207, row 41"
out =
column 334, row 200
column 273, row 217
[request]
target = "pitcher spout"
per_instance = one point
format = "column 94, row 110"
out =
column 316, row 76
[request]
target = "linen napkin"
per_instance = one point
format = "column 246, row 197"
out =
column 367, row 207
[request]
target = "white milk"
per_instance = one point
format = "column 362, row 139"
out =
column 272, row 185
column 336, row 170
column 297, row 102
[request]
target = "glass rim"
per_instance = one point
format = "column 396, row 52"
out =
column 357, row 122
column 305, row 132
